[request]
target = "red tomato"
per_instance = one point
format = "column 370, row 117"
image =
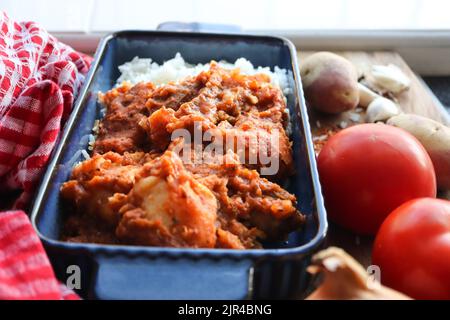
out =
column 368, row 170
column 412, row 249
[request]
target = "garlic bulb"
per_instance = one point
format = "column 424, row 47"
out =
column 381, row 109
column 346, row 279
column 390, row 78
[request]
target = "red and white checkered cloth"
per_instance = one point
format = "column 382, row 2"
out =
column 25, row 272
column 39, row 78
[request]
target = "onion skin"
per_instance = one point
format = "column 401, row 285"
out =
column 346, row 279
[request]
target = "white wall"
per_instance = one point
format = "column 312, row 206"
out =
column 107, row 15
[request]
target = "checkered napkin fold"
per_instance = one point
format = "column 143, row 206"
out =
column 39, row 79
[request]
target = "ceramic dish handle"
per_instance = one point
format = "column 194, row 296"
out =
column 199, row 27
column 168, row 278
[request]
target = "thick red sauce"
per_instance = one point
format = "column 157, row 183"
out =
column 136, row 189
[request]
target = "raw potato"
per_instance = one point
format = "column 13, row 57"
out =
column 435, row 137
column 346, row 279
column 330, row 83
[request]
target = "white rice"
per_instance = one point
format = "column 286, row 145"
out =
column 176, row 69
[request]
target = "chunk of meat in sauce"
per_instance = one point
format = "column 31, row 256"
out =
column 242, row 193
column 221, row 95
column 167, row 206
column 125, row 107
column 172, row 95
column 261, row 143
column 95, row 180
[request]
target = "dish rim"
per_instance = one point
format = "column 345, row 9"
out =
column 132, row 250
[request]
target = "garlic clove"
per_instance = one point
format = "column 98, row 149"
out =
column 366, row 96
column 390, row 78
column 355, row 117
column 381, row 109
column 343, row 124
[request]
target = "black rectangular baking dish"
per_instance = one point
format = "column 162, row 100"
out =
column 133, row 272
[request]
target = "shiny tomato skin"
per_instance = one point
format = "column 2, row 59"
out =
column 412, row 249
column 368, row 170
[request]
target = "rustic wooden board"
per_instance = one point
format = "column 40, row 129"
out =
column 418, row 99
